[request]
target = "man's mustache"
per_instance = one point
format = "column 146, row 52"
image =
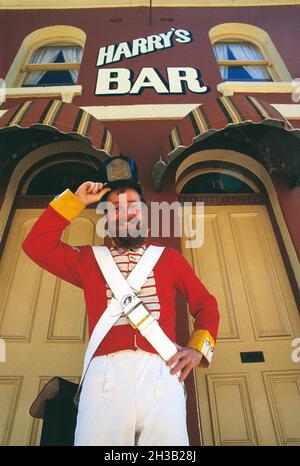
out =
column 136, row 228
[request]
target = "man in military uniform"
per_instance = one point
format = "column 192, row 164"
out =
column 130, row 394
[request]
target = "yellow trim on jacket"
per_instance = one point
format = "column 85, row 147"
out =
column 68, row 205
column 201, row 340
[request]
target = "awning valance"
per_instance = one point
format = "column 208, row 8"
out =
column 224, row 113
column 63, row 117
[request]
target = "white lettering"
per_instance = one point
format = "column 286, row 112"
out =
column 2, row 91
column 105, row 55
column 155, row 42
column 122, row 50
column 139, row 46
column 183, row 36
column 296, row 352
column 148, row 77
column 192, row 218
column 179, row 75
column 119, row 81
column 113, row 53
column 113, row 81
column 2, row 350
column 116, row 456
column 167, row 38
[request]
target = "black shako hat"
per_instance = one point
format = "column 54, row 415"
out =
column 120, row 171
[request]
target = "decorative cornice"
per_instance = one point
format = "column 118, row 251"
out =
column 78, row 4
column 221, row 199
column 30, row 201
column 41, row 202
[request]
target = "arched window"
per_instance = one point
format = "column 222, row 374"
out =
column 247, row 53
column 241, row 61
column 53, row 65
column 55, row 176
column 216, row 182
column 49, row 56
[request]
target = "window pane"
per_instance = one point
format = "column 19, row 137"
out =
column 237, row 51
column 241, row 51
column 248, row 73
column 49, row 78
column 57, row 54
column 51, row 55
column 245, row 50
column 56, row 178
column 216, row 183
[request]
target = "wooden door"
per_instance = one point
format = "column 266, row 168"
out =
column 251, row 393
column 42, row 325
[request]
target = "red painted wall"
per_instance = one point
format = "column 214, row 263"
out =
column 281, row 23
column 289, row 200
column 144, row 139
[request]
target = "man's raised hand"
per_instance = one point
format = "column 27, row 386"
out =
column 90, row 192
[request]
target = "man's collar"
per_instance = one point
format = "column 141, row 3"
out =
column 124, row 250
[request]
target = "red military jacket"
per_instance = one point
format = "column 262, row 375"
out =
column 77, row 265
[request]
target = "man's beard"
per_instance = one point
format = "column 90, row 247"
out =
column 129, row 241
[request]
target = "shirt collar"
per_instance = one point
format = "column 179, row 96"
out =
column 126, row 250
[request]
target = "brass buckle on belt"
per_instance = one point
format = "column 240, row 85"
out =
column 135, row 326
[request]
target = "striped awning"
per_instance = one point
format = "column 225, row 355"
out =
column 63, row 117
column 213, row 117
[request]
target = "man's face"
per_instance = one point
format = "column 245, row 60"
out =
column 127, row 211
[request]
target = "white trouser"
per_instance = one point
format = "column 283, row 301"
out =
column 130, row 398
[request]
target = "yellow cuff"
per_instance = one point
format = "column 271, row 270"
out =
column 68, row 205
column 201, row 340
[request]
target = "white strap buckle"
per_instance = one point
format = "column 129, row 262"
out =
column 138, row 314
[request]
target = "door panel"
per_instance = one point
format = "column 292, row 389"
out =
column 237, row 426
column 254, row 403
column 43, row 324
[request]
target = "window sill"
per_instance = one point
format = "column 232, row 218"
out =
column 67, row 93
column 229, row 88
